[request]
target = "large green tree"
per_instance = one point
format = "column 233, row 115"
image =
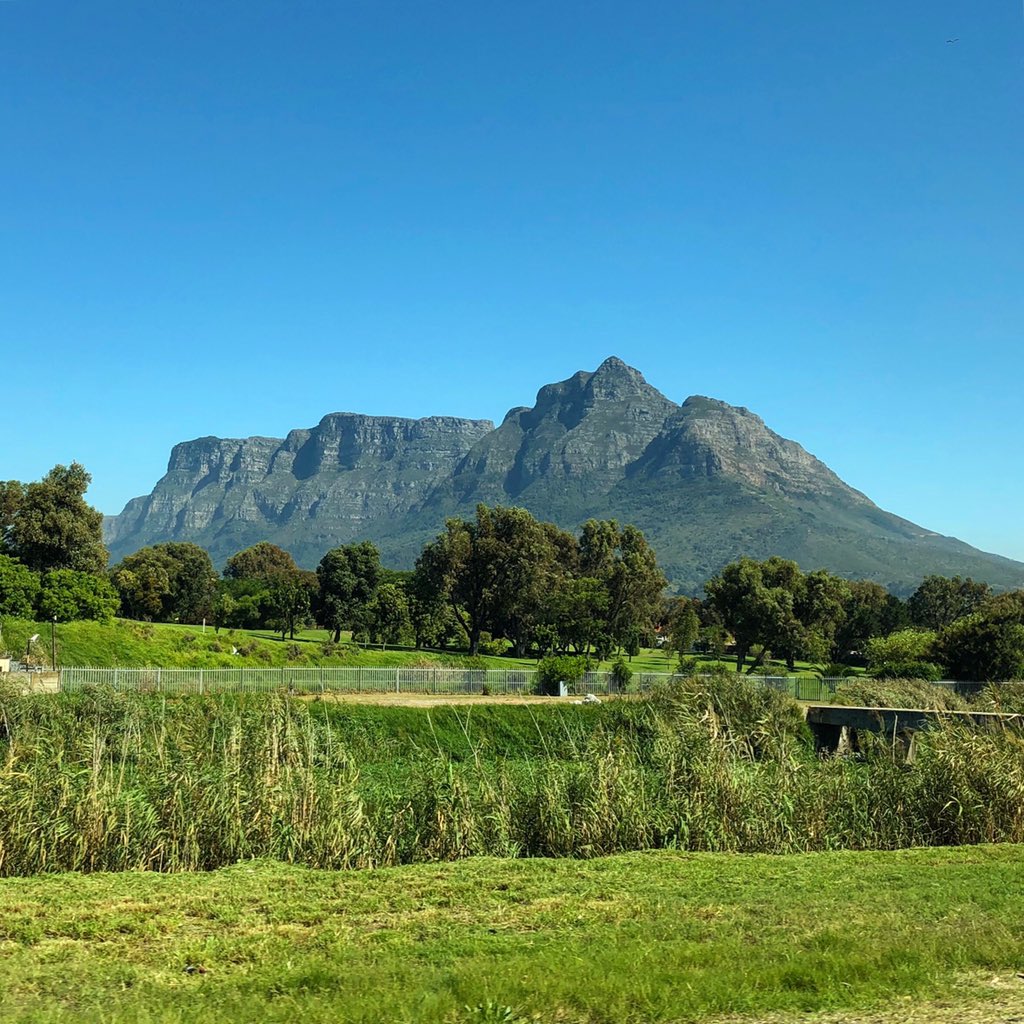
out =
column 939, row 601
column 979, row 648
column 752, row 609
column 49, row 525
column 496, row 572
column 388, row 615
column 290, row 600
column 349, row 577
column 262, row 561
column 67, row 595
column 19, row 588
column 173, row 582
column 869, row 611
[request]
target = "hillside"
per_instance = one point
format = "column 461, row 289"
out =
column 707, row 481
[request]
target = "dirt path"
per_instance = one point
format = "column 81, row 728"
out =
column 430, row 700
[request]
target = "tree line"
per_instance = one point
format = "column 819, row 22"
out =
column 502, row 581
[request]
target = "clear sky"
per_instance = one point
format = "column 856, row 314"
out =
column 232, row 218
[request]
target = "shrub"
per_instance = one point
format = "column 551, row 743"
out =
column 687, row 665
column 898, row 693
column 1005, row 697
column 758, row 720
column 621, row 675
column 924, row 670
column 562, row 668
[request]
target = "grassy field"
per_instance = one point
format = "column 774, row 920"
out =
column 635, row 938
column 125, row 643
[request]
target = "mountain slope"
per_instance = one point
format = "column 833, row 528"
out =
column 706, row 481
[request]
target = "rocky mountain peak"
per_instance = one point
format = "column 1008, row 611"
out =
column 705, row 480
column 615, row 381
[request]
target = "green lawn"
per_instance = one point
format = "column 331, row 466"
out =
column 125, row 643
column 642, row 937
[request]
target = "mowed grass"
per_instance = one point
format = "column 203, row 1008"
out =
column 126, row 643
column 640, row 937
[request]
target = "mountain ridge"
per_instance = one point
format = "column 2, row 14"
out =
column 707, row 481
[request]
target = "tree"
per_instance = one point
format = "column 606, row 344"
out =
column 869, row 611
column 522, row 569
column 753, row 611
column 939, row 601
column 976, row 647
column 433, row 621
column 635, row 585
column 19, row 588
column 683, row 627
column 48, row 525
column 453, row 567
column 497, row 573
column 290, row 600
column 167, row 583
column 68, row 595
column 575, row 615
column 262, row 561
column 348, row 578
column 820, row 606
column 193, row 582
column 389, row 615
column 905, row 653
column 142, row 585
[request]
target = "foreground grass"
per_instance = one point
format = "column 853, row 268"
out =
column 640, row 937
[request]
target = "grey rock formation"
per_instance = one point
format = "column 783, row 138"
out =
column 706, row 481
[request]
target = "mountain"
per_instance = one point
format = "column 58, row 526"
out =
column 706, row 481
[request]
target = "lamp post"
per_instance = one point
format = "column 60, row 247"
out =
column 53, row 644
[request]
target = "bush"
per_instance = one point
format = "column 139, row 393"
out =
column 758, row 721
column 1005, row 697
column 927, row 671
column 621, row 675
column 898, row 693
column 496, row 647
column 560, row 669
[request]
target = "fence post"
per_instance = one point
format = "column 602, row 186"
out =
column 397, row 686
column 200, row 680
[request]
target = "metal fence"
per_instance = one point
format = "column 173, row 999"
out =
column 387, row 680
column 322, row 680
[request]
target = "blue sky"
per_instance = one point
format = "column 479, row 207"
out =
column 231, row 218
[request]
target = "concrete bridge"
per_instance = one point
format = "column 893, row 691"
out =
column 835, row 727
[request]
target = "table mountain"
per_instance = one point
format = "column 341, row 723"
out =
column 706, row 481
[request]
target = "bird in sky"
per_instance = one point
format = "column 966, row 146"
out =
column 957, row 40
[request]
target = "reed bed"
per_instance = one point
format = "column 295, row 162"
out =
column 115, row 781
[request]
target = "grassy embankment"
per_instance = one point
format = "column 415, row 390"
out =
column 97, row 781
column 250, row 788
column 923, row 935
column 125, row 643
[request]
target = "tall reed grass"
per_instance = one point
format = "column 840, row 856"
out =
column 104, row 781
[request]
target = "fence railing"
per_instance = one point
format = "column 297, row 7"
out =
column 321, row 680
column 443, row 681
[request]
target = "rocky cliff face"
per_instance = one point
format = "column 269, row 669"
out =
column 324, row 483
column 707, row 481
